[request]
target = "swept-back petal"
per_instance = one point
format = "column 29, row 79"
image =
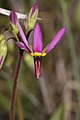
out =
column 55, row 40
column 23, row 36
column 13, row 17
column 37, row 39
column 22, row 46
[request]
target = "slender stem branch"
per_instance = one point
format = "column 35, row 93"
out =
column 28, row 34
column 14, row 89
column 19, row 15
column 71, row 44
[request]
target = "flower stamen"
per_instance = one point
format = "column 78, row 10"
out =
column 38, row 54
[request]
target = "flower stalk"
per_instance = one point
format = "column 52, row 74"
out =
column 14, row 88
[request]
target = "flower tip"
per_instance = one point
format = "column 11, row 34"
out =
column 12, row 12
column 35, row 6
column 37, row 26
column 13, row 17
column 64, row 29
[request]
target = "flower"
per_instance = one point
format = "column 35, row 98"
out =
column 32, row 17
column 37, row 50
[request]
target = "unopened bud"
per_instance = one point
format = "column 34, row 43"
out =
column 13, row 21
column 32, row 17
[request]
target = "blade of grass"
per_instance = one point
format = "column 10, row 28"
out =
column 19, row 15
column 71, row 45
column 70, row 40
column 58, row 115
column 4, row 102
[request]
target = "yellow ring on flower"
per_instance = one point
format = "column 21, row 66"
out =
column 38, row 54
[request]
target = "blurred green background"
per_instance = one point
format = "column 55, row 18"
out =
column 55, row 96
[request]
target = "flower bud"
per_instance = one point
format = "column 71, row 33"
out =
column 32, row 17
column 13, row 17
column 13, row 21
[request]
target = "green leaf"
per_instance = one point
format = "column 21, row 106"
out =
column 58, row 115
column 1, row 38
column 3, row 50
column 14, row 29
column 77, row 14
column 4, row 102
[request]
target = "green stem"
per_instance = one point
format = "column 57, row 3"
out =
column 71, row 45
column 14, row 89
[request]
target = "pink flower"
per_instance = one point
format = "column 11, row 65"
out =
column 37, row 50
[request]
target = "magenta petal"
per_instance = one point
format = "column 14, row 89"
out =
column 37, row 39
column 23, row 36
column 55, row 40
column 13, row 17
column 22, row 46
